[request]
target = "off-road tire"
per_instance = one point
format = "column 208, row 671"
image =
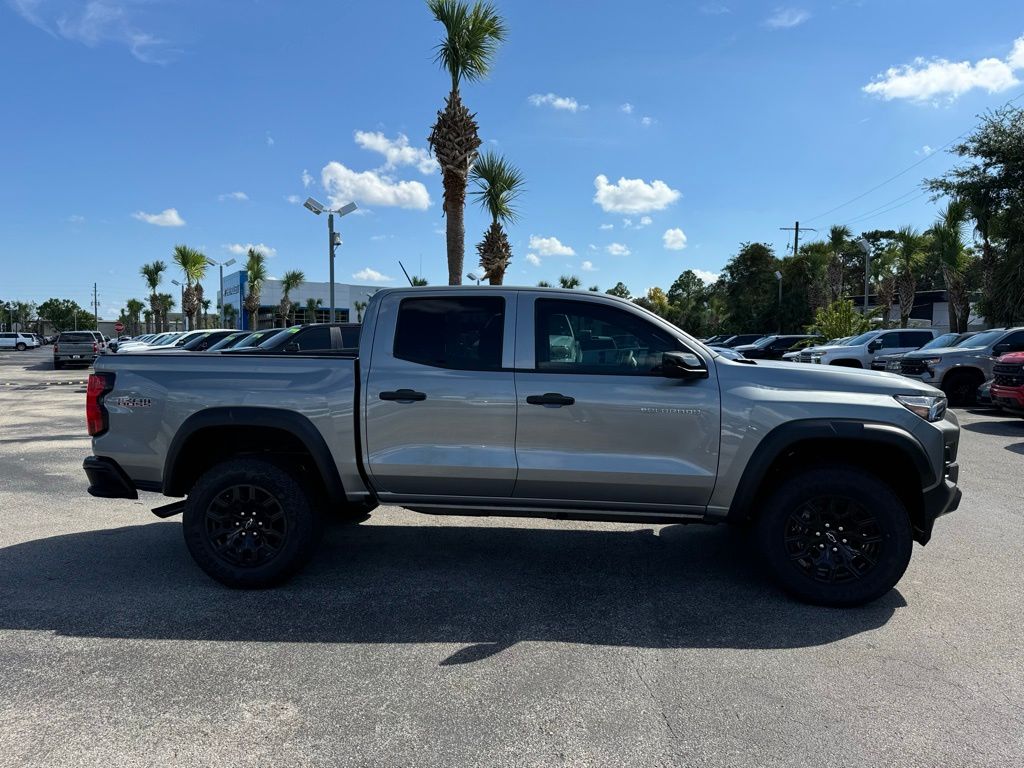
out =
column 796, row 532
column 223, row 522
column 961, row 387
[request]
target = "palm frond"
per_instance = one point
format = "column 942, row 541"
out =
column 193, row 263
column 498, row 183
column 472, row 36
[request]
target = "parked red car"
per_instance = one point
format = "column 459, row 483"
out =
column 1008, row 385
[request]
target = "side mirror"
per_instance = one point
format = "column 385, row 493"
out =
column 292, row 346
column 683, row 365
column 874, row 346
column 1000, row 349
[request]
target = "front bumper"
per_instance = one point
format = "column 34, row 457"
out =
column 1010, row 398
column 107, row 480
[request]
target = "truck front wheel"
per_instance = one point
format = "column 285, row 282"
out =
column 835, row 536
column 249, row 523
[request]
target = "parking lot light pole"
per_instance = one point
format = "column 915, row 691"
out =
column 228, row 263
column 473, row 276
column 778, row 276
column 180, row 285
column 333, row 238
column 866, row 247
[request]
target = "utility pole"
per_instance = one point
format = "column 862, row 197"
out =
column 330, row 241
column 795, row 229
column 95, row 307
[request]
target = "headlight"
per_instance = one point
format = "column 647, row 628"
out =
column 928, row 407
column 929, row 361
column 893, row 365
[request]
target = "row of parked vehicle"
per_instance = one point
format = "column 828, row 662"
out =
column 20, row 341
column 976, row 367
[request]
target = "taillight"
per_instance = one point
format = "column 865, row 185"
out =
column 95, row 349
column 95, row 412
column 55, row 348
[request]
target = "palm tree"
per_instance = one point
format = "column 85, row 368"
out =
column 543, row 284
column 838, row 242
column 498, row 184
column 133, row 309
column 948, row 241
column 153, row 274
column 255, row 276
column 206, row 312
column 230, row 315
column 472, row 35
column 193, row 264
column 594, row 289
column 910, row 246
column 569, row 281
column 311, row 307
column 885, row 282
column 360, row 308
column 290, row 281
column 165, row 303
column 417, row 280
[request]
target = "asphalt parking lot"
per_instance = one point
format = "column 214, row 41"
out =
column 414, row 640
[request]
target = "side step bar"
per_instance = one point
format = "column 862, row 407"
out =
column 170, row 510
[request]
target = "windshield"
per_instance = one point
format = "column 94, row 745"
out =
column 945, row 340
column 864, row 338
column 983, row 339
column 762, row 343
column 251, row 340
column 226, row 342
column 278, row 338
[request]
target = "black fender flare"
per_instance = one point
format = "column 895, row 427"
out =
column 288, row 421
column 785, row 436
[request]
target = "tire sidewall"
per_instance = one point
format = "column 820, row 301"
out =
column 302, row 519
column 862, row 487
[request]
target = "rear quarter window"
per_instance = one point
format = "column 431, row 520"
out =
column 76, row 338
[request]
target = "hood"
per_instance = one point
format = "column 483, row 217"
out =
column 745, row 347
column 1012, row 357
column 830, row 348
column 940, row 351
column 821, row 378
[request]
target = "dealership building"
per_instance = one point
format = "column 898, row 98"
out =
column 345, row 298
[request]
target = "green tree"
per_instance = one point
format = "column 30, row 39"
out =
column 569, row 281
column 751, row 290
column 193, row 264
column 498, row 183
column 360, row 308
column 312, row 305
column 543, row 284
column 688, row 299
column 417, row 280
column 594, row 289
column 152, row 273
column 620, row 290
column 166, row 302
column 290, row 281
column 206, row 313
column 472, row 36
column 133, row 310
column 255, row 276
column 65, row 315
column 909, row 253
column 947, row 239
column 838, row 320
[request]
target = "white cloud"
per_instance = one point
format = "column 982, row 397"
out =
column 674, row 239
column 607, row 226
column 371, row 276
column 924, row 80
column 307, row 178
column 168, row 217
column 925, row 151
column 593, row 247
column 588, row 266
column 707, row 277
column 241, row 249
column 270, row 140
column 533, row 258
column 397, row 151
column 294, row 199
column 627, row 108
column 785, row 18
column 76, row 218
column 233, row 196
column 553, row 100
column 646, row 121
column 95, row 23
column 617, row 249
column 344, row 185
column 645, row 221
column 550, row 246
column 633, row 195
column 714, row 9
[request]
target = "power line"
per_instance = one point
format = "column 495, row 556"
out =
column 889, row 206
column 905, row 170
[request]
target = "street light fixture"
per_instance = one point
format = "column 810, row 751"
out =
column 228, row 263
column 333, row 238
column 473, row 276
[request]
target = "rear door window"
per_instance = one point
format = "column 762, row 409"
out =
column 464, row 333
column 914, row 339
column 76, row 338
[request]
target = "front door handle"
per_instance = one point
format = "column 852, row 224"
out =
column 551, row 398
column 404, row 396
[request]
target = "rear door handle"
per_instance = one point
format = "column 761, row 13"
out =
column 404, row 396
column 551, row 398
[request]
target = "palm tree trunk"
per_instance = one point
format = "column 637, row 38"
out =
column 455, row 224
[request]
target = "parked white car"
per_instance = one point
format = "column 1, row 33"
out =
column 859, row 351
column 18, row 341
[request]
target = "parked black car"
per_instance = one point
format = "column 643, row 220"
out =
column 316, row 337
column 774, row 347
column 738, row 340
column 204, row 341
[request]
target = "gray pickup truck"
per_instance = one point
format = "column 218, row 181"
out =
column 532, row 403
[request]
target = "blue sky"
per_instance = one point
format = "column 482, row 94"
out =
column 655, row 136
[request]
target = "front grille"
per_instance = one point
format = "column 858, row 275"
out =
column 805, row 357
column 1009, row 374
column 878, row 365
column 912, row 367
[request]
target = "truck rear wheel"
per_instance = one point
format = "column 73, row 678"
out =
column 250, row 524
column 961, row 387
column 835, row 536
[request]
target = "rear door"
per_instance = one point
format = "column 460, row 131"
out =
column 598, row 424
column 440, row 401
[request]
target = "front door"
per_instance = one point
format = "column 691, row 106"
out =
column 440, row 401
column 598, row 423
